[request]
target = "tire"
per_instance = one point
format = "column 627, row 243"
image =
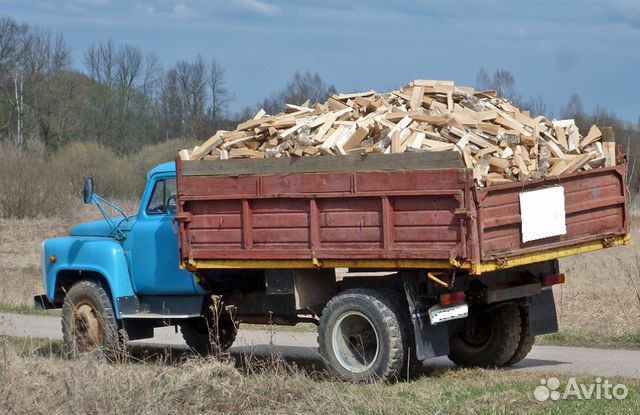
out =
column 89, row 325
column 489, row 338
column 526, row 338
column 363, row 336
column 202, row 336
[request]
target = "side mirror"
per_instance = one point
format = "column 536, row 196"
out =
column 87, row 192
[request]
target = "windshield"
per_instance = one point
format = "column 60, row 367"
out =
column 163, row 198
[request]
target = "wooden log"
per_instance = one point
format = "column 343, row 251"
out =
column 593, row 135
column 609, row 146
column 579, row 162
column 206, row 147
column 416, row 98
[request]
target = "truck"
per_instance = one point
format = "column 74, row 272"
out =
column 397, row 258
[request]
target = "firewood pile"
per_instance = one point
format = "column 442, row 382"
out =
column 498, row 141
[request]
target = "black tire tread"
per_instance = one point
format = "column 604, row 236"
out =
column 114, row 342
column 506, row 318
column 526, row 338
column 390, row 306
column 200, row 342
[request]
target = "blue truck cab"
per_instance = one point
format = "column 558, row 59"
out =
column 122, row 274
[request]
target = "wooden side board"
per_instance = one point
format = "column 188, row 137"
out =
column 323, row 164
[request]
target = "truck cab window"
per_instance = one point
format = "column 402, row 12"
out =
column 163, row 199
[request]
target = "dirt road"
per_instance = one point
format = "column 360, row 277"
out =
column 294, row 345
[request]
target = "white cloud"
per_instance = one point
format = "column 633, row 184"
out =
column 259, row 7
column 181, row 10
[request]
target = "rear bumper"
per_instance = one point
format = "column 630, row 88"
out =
column 42, row 302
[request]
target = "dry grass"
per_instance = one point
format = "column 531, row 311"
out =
column 20, row 241
column 596, row 297
column 35, row 380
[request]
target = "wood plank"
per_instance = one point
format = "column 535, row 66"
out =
column 416, row 144
column 319, row 137
column 431, row 82
column 579, row 161
column 206, row 147
column 355, row 139
column 558, row 168
column 561, row 136
column 260, row 114
column 354, row 95
column 609, row 146
column 325, row 164
column 593, row 135
column 416, row 98
column 554, row 149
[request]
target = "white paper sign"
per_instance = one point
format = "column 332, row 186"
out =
column 542, row 213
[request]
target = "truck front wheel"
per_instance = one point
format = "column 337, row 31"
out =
column 363, row 336
column 88, row 321
column 489, row 338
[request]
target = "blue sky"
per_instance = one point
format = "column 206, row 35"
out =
column 553, row 47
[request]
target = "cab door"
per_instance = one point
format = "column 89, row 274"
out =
column 154, row 244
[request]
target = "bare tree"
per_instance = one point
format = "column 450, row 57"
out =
column 47, row 54
column 307, row 87
column 218, row 93
column 152, row 75
column 574, row 108
column 128, row 66
column 536, row 106
column 14, row 42
column 502, row 82
column 301, row 88
column 171, row 108
column 483, row 81
column 183, row 97
column 101, row 62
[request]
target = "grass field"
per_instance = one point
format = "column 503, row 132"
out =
column 34, row 378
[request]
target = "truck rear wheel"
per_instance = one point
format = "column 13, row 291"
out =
column 489, row 338
column 526, row 338
column 363, row 336
column 205, row 337
column 88, row 322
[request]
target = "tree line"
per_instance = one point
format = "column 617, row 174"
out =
column 124, row 99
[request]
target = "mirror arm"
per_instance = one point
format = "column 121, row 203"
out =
column 111, row 205
column 97, row 200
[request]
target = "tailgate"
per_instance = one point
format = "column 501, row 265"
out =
column 595, row 209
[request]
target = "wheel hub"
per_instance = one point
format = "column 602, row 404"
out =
column 355, row 341
column 477, row 330
column 87, row 329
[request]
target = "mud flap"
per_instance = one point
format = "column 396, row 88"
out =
column 430, row 340
column 542, row 313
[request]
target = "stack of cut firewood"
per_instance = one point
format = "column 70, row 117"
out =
column 498, row 141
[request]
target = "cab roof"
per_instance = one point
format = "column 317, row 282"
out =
column 169, row 167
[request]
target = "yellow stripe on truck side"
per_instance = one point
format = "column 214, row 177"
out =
column 473, row 268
